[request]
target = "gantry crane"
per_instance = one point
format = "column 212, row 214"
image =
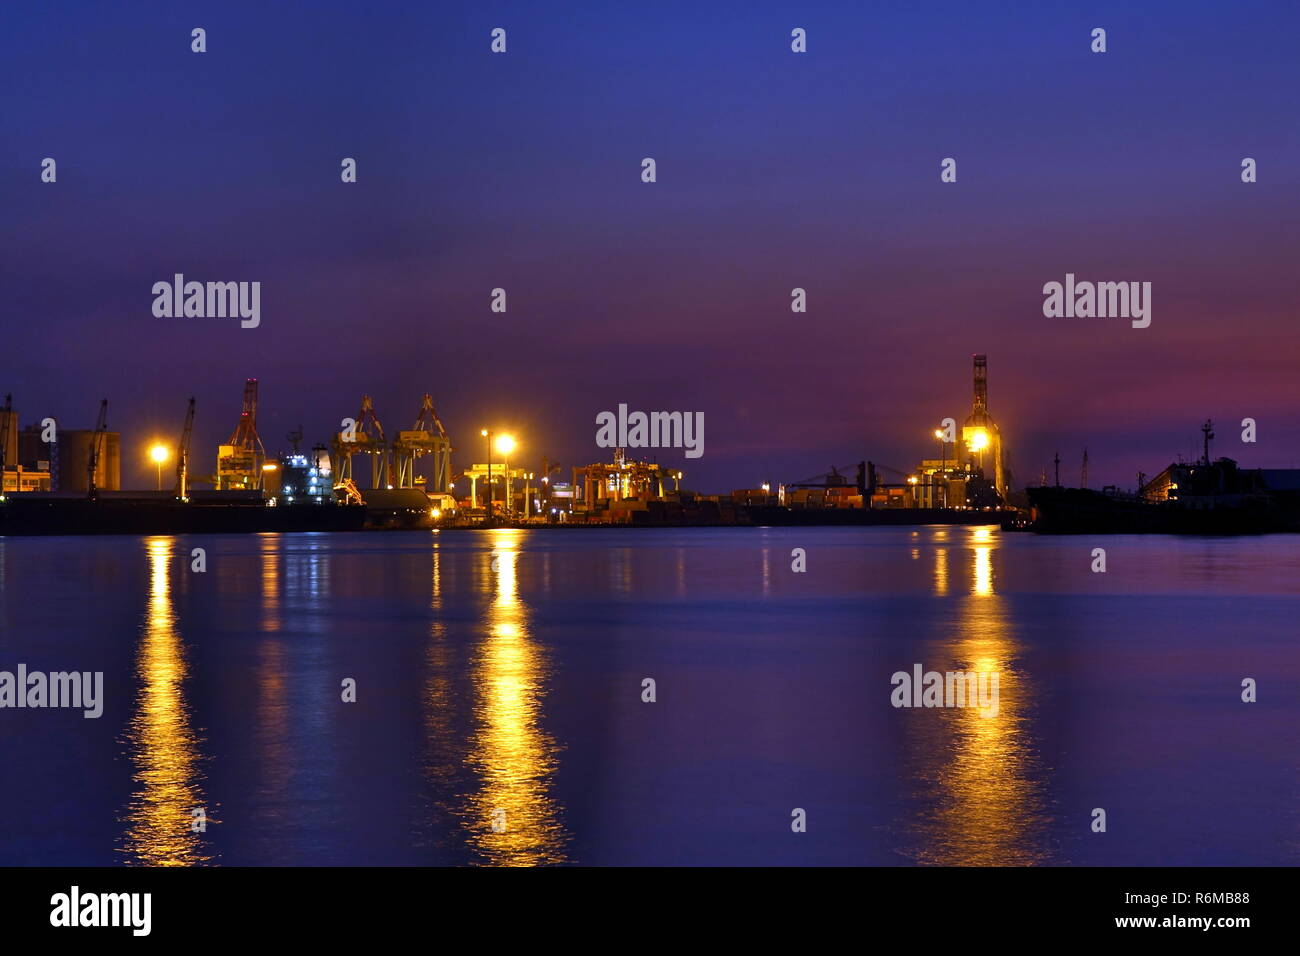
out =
column 366, row 437
column 428, row 437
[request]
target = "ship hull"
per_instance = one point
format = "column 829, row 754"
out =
column 760, row 515
column 65, row 516
column 1083, row 511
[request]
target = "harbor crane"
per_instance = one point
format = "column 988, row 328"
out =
column 181, row 489
column 96, row 447
column 239, row 461
column 427, row 437
column 366, row 437
column 4, row 435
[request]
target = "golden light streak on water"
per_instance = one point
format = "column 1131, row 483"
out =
column 276, row 758
column 940, row 571
column 271, row 545
column 982, row 584
column 983, row 804
column 162, row 746
column 512, row 818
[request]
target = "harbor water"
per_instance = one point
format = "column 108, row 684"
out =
column 503, row 713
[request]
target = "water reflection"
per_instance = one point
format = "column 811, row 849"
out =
column 276, row 758
column 162, row 745
column 512, row 818
column 981, row 783
column 306, row 579
column 271, row 621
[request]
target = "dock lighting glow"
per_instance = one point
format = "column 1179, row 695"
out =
column 268, row 467
column 911, row 479
column 505, row 444
column 938, row 433
column 979, row 440
column 483, row 433
column 159, row 454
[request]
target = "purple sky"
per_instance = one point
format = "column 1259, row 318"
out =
column 775, row 170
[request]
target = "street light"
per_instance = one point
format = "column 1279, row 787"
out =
column 159, row 454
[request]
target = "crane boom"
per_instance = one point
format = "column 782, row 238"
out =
column 181, row 489
column 96, row 442
column 4, row 436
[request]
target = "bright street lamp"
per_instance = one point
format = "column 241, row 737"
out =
column 505, row 445
column 159, row 454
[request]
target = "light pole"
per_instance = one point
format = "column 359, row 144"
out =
column 159, row 455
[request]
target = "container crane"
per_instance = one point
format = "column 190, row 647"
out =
column 427, row 437
column 366, row 437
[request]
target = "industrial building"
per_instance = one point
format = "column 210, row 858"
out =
column 974, row 474
column 29, row 463
column 75, row 449
column 622, row 485
column 969, row 472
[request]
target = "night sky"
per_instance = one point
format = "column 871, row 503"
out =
column 775, row 170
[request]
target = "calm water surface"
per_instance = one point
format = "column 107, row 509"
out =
column 499, row 717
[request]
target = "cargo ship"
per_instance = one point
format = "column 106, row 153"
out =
column 1206, row 497
column 138, row 513
column 775, row 515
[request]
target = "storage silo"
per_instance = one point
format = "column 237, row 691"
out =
column 74, row 459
